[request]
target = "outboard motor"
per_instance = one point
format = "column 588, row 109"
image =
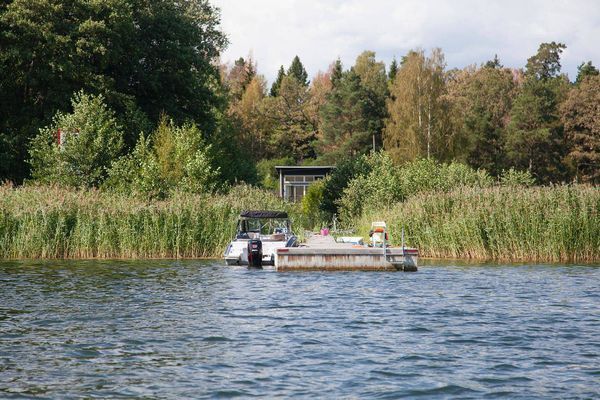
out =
column 255, row 253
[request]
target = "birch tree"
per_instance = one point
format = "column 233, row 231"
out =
column 415, row 127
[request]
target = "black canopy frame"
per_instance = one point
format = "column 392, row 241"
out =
column 263, row 214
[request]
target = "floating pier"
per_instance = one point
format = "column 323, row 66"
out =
column 323, row 253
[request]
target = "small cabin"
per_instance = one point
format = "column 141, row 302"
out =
column 295, row 180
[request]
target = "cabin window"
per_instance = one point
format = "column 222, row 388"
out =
column 296, row 186
column 295, row 180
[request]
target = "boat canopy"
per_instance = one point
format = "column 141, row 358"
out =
column 263, row 214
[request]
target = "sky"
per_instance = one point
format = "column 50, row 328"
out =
column 468, row 31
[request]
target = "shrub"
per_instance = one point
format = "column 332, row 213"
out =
column 386, row 184
column 378, row 187
column 338, row 180
column 267, row 174
column 311, row 203
column 172, row 158
column 77, row 148
column 427, row 175
column 513, row 177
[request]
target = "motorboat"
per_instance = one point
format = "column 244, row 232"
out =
column 258, row 235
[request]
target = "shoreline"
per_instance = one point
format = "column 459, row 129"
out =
column 462, row 261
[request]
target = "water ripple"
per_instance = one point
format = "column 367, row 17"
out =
column 172, row 329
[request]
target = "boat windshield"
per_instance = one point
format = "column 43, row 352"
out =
column 264, row 226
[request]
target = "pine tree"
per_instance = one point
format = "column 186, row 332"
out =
column 277, row 84
column 293, row 132
column 481, row 100
column 545, row 64
column 297, row 71
column 355, row 110
column 494, row 63
column 336, row 72
column 535, row 138
column 393, row 70
column 585, row 69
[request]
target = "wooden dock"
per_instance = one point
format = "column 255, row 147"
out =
column 323, row 253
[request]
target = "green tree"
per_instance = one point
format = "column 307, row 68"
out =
column 336, row 72
column 580, row 114
column 145, row 57
column 311, row 204
column 346, row 169
column 393, row 70
column 352, row 117
column 293, row 128
column 481, row 101
column 534, row 137
column 77, row 148
column 584, row 70
column 277, row 84
column 494, row 63
column 545, row 64
column 231, row 158
column 172, row 158
column 417, row 126
column 297, row 71
column 348, row 120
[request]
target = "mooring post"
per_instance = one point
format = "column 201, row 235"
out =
column 384, row 245
column 402, row 240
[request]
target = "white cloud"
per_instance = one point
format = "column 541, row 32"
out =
column 469, row 32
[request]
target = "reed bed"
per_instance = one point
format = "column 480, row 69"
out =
column 53, row 222
column 545, row 224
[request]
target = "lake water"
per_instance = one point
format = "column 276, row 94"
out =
column 196, row 329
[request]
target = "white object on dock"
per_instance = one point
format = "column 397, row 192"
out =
column 350, row 240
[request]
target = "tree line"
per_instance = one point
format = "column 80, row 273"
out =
column 487, row 116
column 137, row 89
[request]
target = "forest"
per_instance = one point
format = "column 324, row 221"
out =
column 131, row 98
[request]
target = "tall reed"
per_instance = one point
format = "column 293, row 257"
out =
column 559, row 223
column 51, row 222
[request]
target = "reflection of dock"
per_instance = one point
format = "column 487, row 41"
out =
column 324, row 253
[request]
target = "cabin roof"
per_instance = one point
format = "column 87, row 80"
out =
column 304, row 169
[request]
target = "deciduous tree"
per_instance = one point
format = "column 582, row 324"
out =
column 580, row 114
column 145, row 57
column 78, row 148
column 416, row 125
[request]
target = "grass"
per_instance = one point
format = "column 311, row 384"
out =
column 548, row 224
column 52, row 222
column 560, row 223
